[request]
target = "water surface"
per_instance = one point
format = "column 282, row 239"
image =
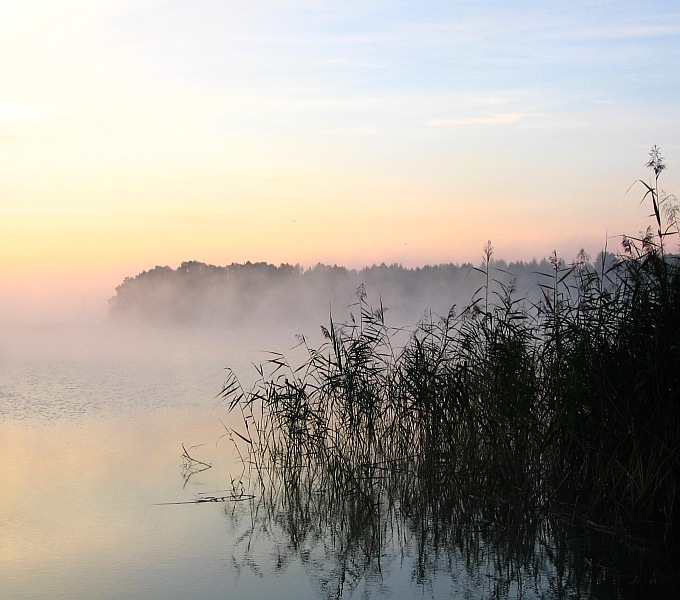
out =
column 92, row 423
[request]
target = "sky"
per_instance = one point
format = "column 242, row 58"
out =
column 152, row 132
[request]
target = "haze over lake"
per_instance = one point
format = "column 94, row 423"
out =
column 99, row 500
column 431, row 248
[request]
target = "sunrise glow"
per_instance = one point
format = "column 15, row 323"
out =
column 136, row 134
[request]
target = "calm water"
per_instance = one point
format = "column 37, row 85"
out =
column 92, row 424
column 91, row 431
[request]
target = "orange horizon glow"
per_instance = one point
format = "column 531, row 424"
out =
column 140, row 135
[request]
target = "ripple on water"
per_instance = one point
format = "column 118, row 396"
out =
column 58, row 389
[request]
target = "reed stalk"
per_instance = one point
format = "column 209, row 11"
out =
column 503, row 409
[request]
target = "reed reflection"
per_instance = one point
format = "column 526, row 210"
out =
column 386, row 530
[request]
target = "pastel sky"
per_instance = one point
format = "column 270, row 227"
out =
column 150, row 132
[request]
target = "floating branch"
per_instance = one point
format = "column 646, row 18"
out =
column 204, row 499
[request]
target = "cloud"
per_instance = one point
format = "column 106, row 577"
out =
column 624, row 32
column 497, row 119
column 354, row 131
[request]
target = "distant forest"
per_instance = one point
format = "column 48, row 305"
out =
column 196, row 293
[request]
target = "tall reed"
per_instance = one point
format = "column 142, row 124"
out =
column 501, row 409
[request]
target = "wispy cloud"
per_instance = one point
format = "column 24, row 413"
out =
column 498, row 119
column 354, row 131
column 623, row 32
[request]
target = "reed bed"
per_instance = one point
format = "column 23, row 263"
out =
column 493, row 413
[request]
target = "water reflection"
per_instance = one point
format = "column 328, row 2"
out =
column 91, row 433
column 91, row 446
column 77, row 514
column 387, row 535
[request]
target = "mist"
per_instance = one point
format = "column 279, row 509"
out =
column 266, row 298
column 232, row 315
column 176, row 331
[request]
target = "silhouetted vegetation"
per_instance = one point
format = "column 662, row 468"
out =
column 557, row 412
column 253, row 293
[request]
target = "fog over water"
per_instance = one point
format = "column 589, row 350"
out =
column 167, row 329
column 93, row 417
column 262, row 296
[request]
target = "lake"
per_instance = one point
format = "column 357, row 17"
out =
column 97, row 500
